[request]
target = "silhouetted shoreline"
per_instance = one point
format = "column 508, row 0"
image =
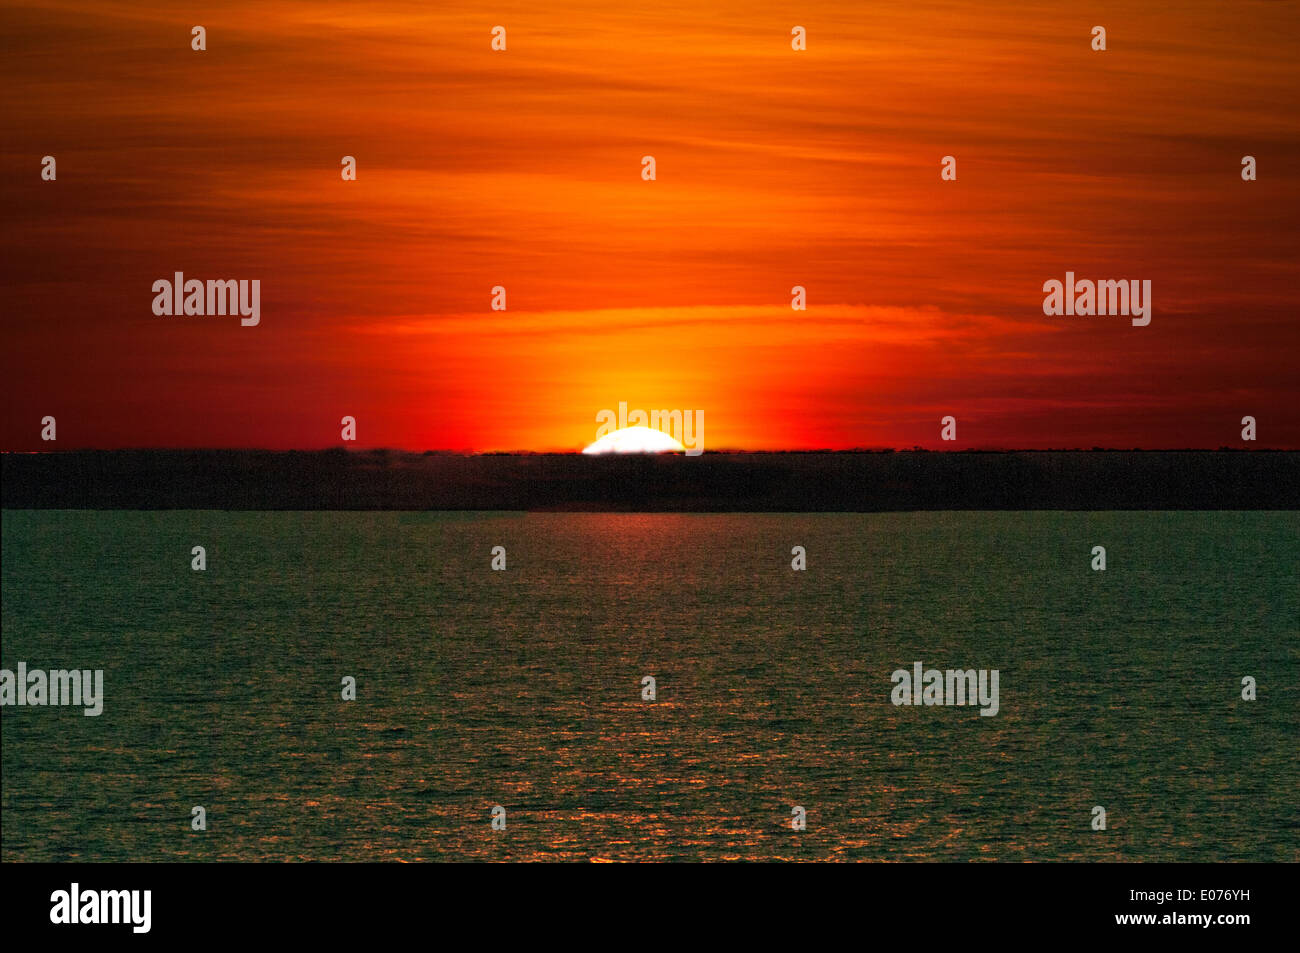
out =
column 868, row 481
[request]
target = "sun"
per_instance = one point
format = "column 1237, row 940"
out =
column 636, row 440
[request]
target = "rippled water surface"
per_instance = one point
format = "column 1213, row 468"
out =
column 523, row 688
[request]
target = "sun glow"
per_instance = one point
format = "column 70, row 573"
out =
column 636, row 440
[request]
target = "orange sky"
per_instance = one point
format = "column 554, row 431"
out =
column 775, row 168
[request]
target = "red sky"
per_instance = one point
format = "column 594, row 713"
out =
column 775, row 168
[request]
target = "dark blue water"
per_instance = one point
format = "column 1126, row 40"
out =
column 522, row 688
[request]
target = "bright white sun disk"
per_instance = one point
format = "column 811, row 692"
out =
column 635, row 440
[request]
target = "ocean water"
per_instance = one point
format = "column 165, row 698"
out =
column 522, row 688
